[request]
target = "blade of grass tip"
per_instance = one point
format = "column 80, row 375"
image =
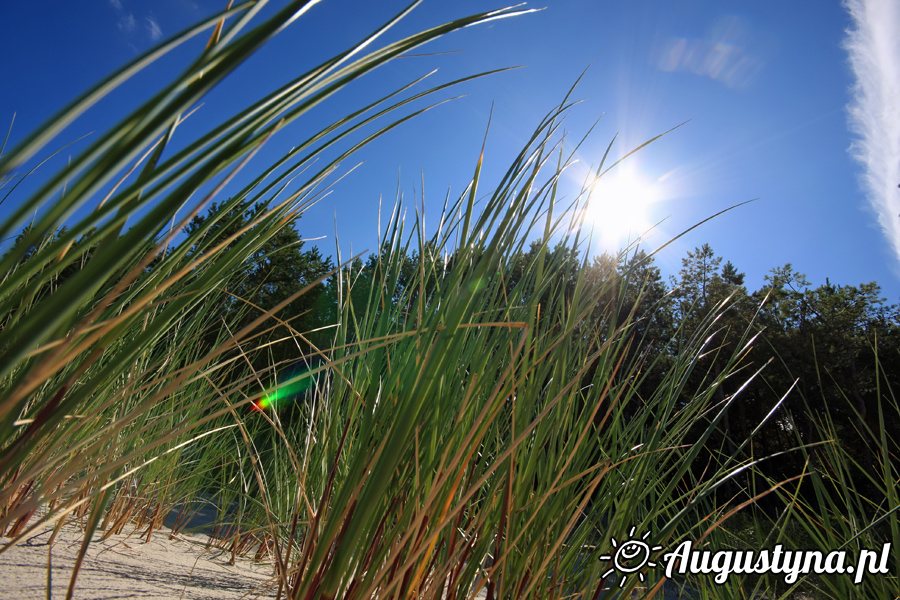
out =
column 138, row 163
column 36, row 168
column 609, row 146
column 144, row 176
column 217, row 32
column 8, row 132
column 473, row 191
column 647, row 143
column 696, row 225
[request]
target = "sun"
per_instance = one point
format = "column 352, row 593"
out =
column 620, row 207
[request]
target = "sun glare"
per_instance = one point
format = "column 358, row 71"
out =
column 620, row 207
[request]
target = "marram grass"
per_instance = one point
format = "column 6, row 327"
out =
column 472, row 426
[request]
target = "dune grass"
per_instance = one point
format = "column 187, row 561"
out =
column 471, row 426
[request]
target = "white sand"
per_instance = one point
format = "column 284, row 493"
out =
column 127, row 567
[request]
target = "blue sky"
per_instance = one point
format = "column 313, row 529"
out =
column 764, row 88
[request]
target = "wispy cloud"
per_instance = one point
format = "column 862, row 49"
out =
column 126, row 23
column 874, row 110
column 722, row 55
column 125, row 20
column 153, row 29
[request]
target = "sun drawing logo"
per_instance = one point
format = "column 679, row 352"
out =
column 632, row 556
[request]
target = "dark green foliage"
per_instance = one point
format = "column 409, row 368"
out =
column 273, row 271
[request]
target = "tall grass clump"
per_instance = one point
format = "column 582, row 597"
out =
column 847, row 500
column 474, row 423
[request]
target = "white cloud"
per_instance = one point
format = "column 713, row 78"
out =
column 116, row 4
column 724, row 55
column 154, row 30
column 126, row 23
column 874, row 110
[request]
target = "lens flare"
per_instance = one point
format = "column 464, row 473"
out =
column 294, row 386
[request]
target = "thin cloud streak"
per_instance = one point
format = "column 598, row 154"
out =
column 873, row 45
column 154, row 30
